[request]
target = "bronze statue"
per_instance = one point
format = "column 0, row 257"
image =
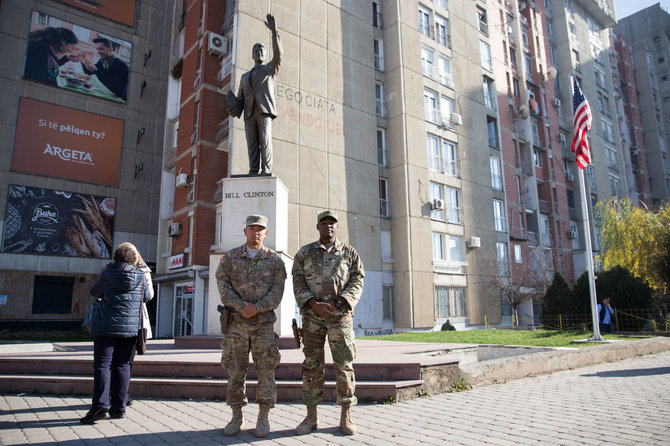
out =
column 256, row 99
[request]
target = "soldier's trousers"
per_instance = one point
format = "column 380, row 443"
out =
column 340, row 332
column 244, row 336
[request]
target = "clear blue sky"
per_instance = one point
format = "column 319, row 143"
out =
column 625, row 8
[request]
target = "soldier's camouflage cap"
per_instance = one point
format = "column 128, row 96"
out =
column 325, row 214
column 257, row 220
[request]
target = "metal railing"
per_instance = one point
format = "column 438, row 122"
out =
column 623, row 320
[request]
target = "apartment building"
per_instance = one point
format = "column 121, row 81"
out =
column 81, row 148
column 439, row 131
column 646, row 31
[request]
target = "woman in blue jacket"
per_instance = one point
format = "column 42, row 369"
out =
column 121, row 286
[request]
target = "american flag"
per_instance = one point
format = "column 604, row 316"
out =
column 582, row 124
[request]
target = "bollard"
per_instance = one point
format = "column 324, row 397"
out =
column 560, row 322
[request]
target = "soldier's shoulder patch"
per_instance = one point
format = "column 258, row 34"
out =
column 222, row 260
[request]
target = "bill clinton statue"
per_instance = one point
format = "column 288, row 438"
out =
column 256, row 100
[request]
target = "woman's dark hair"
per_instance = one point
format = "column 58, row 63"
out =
column 126, row 252
column 51, row 36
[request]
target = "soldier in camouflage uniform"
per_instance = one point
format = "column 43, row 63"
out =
column 251, row 283
column 327, row 282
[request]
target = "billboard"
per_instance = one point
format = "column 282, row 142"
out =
column 61, row 142
column 58, row 223
column 122, row 11
column 75, row 58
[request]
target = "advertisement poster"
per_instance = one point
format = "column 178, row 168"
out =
column 58, row 223
column 65, row 143
column 122, row 11
column 76, row 58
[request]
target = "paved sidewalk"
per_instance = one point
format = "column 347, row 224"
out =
column 621, row 403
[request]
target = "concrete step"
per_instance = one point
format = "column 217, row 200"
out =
column 183, row 369
column 214, row 342
column 287, row 390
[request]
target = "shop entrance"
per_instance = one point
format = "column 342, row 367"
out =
column 183, row 309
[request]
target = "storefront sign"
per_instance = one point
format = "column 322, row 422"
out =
column 176, row 261
column 59, row 223
column 61, row 142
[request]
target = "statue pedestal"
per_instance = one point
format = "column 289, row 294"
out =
column 241, row 197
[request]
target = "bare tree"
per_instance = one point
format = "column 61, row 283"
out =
column 518, row 282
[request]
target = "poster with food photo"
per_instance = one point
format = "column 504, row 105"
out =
column 58, row 223
column 75, row 58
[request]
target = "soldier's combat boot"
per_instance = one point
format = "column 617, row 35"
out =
column 262, row 424
column 236, row 423
column 346, row 424
column 310, row 422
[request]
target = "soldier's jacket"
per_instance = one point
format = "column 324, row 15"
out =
column 259, row 281
column 325, row 274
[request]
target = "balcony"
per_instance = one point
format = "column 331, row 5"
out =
column 600, row 10
column 544, row 206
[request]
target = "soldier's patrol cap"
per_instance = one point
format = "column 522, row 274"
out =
column 257, row 220
column 325, row 214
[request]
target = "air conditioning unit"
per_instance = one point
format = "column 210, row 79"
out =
column 174, row 229
column 456, row 119
column 474, row 242
column 508, row 29
column 569, row 175
column 557, row 102
column 561, row 137
column 438, row 204
column 217, row 44
column 572, row 234
column 182, row 180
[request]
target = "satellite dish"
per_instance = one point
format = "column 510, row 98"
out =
column 552, row 73
column 523, row 111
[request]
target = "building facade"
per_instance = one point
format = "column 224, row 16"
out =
column 82, row 137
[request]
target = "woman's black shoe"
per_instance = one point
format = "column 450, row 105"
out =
column 117, row 414
column 94, row 415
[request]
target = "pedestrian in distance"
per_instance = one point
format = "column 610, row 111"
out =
column 121, row 288
column 327, row 283
column 605, row 313
column 251, row 284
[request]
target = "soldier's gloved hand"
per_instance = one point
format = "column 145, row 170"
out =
column 323, row 309
column 249, row 310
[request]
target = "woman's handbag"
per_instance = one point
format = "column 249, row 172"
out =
column 141, row 341
column 91, row 316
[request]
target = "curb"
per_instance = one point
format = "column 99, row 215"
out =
column 565, row 358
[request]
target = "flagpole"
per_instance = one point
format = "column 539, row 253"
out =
column 587, row 248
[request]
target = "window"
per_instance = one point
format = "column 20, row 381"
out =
column 515, row 84
column 512, row 56
column 453, row 205
column 450, row 158
column 503, row 263
column 381, row 146
column 436, row 193
column 485, row 55
column 442, row 3
column 492, row 128
column 176, row 134
column 524, row 39
column 611, row 157
column 448, row 247
column 489, row 93
column 379, row 96
column 575, row 60
column 591, row 176
column 444, row 69
column 496, row 177
column 387, row 303
column 446, row 109
column 482, row 21
column 608, row 131
column 499, row 216
column 574, row 235
column 528, row 65
column 425, row 21
column 535, row 134
column 442, row 31
column 379, row 54
column 376, row 15
column 518, row 258
column 435, row 160
column 614, row 186
column 383, row 197
column 442, row 156
column 449, row 301
column 52, row 294
column 571, row 198
column 538, row 158
column 427, row 64
column 545, row 234
column 430, row 105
